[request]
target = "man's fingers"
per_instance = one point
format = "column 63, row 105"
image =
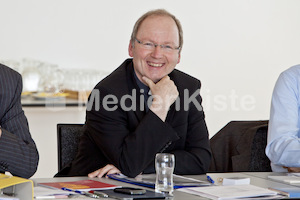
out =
column 166, row 77
column 94, row 174
column 293, row 169
column 113, row 171
column 101, row 172
column 148, row 81
column 105, row 170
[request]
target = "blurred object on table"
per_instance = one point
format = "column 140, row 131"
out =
column 79, row 95
column 43, row 80
column 79, row 83
column 31, row 75
column 26, row 94
column 52, row 78
column 49, row 95
column 82, row 79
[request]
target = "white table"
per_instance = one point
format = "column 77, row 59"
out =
column 257, row 178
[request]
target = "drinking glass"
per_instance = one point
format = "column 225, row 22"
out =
column 164, row 166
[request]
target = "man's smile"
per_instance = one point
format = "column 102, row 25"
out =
column 155, row 64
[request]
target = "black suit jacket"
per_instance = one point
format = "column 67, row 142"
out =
column 18, row 153
column 129, row 139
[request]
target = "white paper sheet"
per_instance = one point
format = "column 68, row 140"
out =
column 229, row 191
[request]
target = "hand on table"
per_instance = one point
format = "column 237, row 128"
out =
column 108, row 169
column 293, row 169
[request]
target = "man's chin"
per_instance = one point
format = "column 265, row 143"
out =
column 156, row 79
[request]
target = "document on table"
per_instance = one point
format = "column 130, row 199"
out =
column 6, row 197
column 286, row 179
column 229, row 191
column 294, row 174
column 46, row 193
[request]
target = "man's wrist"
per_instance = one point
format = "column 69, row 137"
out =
column 161, row 113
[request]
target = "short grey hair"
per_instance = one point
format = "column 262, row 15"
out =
column 159, row 12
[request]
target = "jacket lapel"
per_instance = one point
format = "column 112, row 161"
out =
column 132, row 86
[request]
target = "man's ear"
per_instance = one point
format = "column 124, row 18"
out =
column 179, row 56
column 130, row 49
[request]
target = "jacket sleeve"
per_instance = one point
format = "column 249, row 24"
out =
column 18, row 152
column 195, row 157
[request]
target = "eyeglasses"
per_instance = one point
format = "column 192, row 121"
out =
column 151, row 46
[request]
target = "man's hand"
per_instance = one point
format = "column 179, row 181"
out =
column 108, row 169
column 164, row 94
column 293, row 169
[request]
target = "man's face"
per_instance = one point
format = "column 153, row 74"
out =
column 155, row 63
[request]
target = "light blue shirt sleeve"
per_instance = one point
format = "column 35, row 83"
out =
column 283, row 147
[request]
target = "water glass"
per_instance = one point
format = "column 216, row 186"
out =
column 164, row 166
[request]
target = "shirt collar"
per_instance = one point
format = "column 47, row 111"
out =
column 141, row 84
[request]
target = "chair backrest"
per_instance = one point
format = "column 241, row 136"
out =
column 68, row 136
column 259, row 161
column 240, row 146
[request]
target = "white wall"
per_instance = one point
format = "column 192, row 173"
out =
column 237, row 48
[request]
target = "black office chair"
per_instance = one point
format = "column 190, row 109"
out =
column 240, row 147
column 68, row 136
column 259, row 161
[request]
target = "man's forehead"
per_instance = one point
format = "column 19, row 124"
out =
column 153, row 22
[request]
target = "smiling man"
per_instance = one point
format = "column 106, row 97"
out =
column 144, row 107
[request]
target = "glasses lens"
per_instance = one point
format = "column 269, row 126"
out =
column 150, row 46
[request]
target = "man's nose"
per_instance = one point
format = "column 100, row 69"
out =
column 157, row 51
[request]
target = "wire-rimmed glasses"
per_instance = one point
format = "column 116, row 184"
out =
column 151, row 46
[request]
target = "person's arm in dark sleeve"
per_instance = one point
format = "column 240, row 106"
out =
column 18, row 152
column 196, row 156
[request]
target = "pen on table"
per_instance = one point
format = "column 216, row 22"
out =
column 210, row 179
column 101, row 194
column 95, row 196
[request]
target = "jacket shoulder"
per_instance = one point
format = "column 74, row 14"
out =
column 9, row 76
column 184, row 80
column 8, row 71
